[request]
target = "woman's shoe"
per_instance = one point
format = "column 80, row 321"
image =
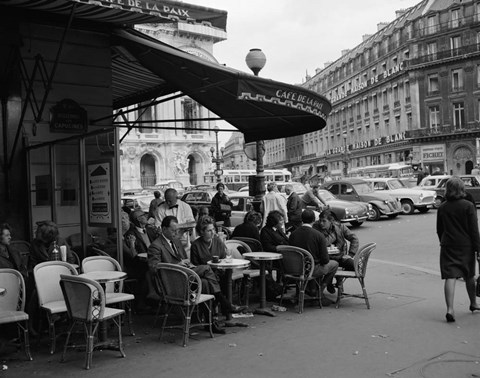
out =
column 473, row 308
column 450, row 318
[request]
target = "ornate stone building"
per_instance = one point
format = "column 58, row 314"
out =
column 178, row 147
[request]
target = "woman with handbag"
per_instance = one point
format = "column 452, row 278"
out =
column 221, row 206
column 457, row 230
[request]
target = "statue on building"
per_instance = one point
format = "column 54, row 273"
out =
column 179, row 163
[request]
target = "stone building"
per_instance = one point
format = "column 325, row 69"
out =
column 158, row 152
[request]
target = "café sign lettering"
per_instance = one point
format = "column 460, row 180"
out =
column 67, row 116
column 369, row 82
column 368, row 143
column 140, row 5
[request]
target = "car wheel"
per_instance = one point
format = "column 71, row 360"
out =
column 438, row 202
column 423, row 209
column 407, row 207
column 356, row 223
column 374, row 214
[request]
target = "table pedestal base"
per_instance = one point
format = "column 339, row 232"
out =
column 264, row 311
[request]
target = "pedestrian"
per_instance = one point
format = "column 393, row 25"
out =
column 221, row 206
column 154, row 203
column 273, row 201
column 312, row 198
column 294, row 208
column 421, row 175
column 457, row 230
column 476, row 171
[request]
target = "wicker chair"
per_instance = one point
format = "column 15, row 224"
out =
column 113, row 291
column 85, row 301
column 12, row 304
column 50, row 297
column 360, row 261
column 254, row 244
column 298, row 265
column 238, row 248
column 182, row 287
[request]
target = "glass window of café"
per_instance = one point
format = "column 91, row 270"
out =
column 73, row 182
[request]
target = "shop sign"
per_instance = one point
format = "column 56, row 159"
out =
column 369, row 82
column 100, row 190
column 67, row 116
column 369, row 143
column 433, row 153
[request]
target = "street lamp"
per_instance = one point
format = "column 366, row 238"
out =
column 256, row 60
column 345, row 160
column 232, row 162
column 216, row 159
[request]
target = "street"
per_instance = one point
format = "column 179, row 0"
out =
column 403, row 335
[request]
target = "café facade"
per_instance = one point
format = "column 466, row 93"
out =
column 70, row 67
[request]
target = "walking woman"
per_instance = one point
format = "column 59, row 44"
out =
column 457, row 230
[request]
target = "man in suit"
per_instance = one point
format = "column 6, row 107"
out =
column 167, row 248
column 313, row 241
column 294, row 208
column 180, row 210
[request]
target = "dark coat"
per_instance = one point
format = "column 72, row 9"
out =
column 218, row 213
column 457, row 230
column 13, row 261
column 313, row 241
column 338, row 234
column 140, row 246
column 246, row 230
column 294, row 209
column 270, row 238
column 41, row 252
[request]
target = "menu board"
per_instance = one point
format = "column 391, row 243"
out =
column 99, row 180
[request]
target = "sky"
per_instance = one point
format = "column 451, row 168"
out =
column 297, row 36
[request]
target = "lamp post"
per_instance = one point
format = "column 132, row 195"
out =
column 232, row 162
column 256, row 60
column 345, row 160
column 216, row 159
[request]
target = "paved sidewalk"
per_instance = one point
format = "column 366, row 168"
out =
column 403, row 335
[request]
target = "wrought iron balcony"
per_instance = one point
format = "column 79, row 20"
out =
column 443, row 130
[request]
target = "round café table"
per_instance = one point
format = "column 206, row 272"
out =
column 228, row 265
column 262, row 258
column 103, row 277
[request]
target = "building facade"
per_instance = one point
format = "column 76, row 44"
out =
column 179, row 150
column 408, row 94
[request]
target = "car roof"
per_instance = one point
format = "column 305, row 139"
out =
column 350, row 181
column 243, row 194
column 381, row 178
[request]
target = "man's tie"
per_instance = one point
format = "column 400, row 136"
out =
column 174, row 248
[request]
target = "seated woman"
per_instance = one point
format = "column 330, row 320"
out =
column 337, row 235
column 250, row 226
column 9, row 257
column 42, row 246
column 273, row 233
column 208, row 243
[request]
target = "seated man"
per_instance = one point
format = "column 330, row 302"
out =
column 167, row 248
column 313, row 241
column 338, row 234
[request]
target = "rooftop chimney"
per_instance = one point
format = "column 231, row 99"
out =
column 326, row 64
column 318, row 70
column 365, row 37
column 400, row 13
column 381, row 25
column 344, row 52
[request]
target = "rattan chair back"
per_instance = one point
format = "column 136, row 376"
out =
column 13, row 296
column 254, row 244
column 179, row 285
column 360, row 259
column 47, row 279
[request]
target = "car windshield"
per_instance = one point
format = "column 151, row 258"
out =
column 326, row 196
column 396, row 184
column 442, row 183
column 363, row 188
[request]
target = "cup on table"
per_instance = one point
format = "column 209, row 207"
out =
column 63, row 252
column 215, row 259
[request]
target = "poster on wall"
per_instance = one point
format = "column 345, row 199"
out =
column 99, row 180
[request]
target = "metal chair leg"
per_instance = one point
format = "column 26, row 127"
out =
column 26, row 342
column 365, row 295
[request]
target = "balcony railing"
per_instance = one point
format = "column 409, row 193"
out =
column 443, row 130
column 441, row 55
column 148, row 180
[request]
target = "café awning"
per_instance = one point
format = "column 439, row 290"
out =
column 260, row 108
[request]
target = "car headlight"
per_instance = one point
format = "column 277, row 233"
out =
column 347, row 211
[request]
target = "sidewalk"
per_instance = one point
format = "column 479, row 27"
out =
column 404, row 334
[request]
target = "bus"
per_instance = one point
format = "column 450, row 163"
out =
column 398, row 170
column 238, row 178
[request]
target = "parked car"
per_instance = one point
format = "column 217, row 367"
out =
column 199, row 198
column 472, row 186
column 242, row 203
column 354, row 213
column 410, row 199
column 164, row 185
column 431, row 182
column 298, row 187
column 137, row 201
column 354, row 189
column 208, row 187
